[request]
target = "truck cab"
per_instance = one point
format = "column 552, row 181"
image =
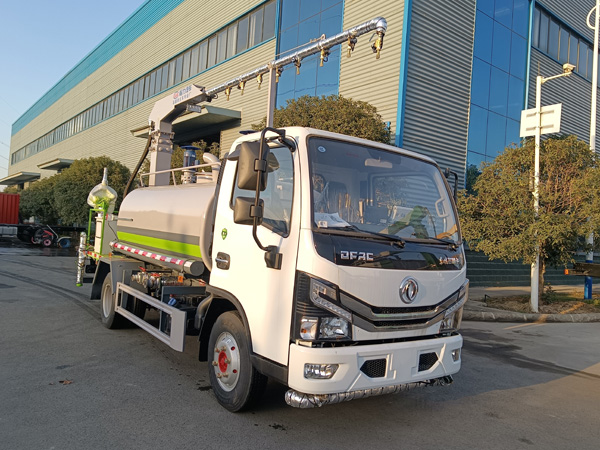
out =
column 345, row 265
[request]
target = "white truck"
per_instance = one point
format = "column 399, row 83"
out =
column 331, row 264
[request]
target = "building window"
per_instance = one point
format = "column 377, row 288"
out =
column 256, row 20
column 498, row 78
column 558, row 41
column 221, row 46
column 301, row 22
column 242, row 35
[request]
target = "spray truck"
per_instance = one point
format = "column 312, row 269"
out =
column 329, row 263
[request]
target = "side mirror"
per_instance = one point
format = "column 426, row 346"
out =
column 448, row 173
column 251, row 166
column 244, row 211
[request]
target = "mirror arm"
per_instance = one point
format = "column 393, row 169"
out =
column 272, row 257
column 449, row 172
column 289, row 143
column 455, row 187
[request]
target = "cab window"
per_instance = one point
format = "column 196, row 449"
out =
column 278, row 195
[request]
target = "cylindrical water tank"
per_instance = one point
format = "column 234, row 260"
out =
column 170, row 220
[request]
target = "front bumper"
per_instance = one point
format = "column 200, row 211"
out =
column 402, row 362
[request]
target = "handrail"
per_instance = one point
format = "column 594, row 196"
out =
column 172, row 171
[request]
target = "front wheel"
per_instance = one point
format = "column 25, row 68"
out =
column 110, row 318
column 235, row 382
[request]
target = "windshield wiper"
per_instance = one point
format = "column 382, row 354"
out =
column 352, row 230
column 434, row 241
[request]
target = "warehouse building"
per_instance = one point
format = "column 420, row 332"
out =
column 451, row 82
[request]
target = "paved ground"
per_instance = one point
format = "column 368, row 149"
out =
column 521, row 386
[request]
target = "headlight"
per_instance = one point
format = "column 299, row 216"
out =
column 452, row 321
column 333, row 327
column 453, row 315
column 318, row 315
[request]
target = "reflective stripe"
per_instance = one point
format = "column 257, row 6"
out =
column 173, row 237
column 165, row 245
column 167, row 259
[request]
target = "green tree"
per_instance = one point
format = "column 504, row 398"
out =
column 473, row 173
column 38, row 201
column 177, row 158
column 333, row 113
column 14, row 189
column 499, row 220
column 75, row 183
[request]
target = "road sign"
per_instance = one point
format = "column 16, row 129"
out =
column 550, row 120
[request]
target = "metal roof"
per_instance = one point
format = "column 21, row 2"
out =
column 196, row 125
column 19, row 177
column 56, row 164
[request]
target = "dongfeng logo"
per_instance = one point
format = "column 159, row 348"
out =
column 408, row 290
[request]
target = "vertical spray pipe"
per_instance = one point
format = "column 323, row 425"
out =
column 81, row 259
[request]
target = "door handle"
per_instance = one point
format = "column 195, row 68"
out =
column 222, row 261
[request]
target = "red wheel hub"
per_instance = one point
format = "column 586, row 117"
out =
column 223, row 361
column 226, row 362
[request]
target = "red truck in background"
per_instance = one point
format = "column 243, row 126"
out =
column 9, row 208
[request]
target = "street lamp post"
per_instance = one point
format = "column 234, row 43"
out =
column 535, row 266
column 590, row 240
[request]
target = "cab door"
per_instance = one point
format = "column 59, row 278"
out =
column 264, row 293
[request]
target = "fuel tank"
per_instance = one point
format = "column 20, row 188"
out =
column 170, row 220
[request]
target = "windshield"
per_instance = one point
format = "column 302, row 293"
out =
column 359, row 188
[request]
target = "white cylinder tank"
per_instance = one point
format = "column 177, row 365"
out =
column 170, row 220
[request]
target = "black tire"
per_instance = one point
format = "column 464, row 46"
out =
column 64, row 242
column 37, row 236
column 235, row 382
column 110, row 318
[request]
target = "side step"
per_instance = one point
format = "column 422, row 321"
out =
column 172, row 325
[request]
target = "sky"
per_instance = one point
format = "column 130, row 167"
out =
column 40, row 41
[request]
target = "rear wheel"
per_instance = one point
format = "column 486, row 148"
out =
column 235, row 382
column 110, row 318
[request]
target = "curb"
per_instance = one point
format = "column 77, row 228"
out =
column 507, row 316
column 476, row 310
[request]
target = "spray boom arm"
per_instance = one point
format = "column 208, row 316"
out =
column 188, row 98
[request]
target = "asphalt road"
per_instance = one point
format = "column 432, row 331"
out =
column 66, row 382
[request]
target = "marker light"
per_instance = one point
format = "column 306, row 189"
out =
column 308, row 328
column 456, row 354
